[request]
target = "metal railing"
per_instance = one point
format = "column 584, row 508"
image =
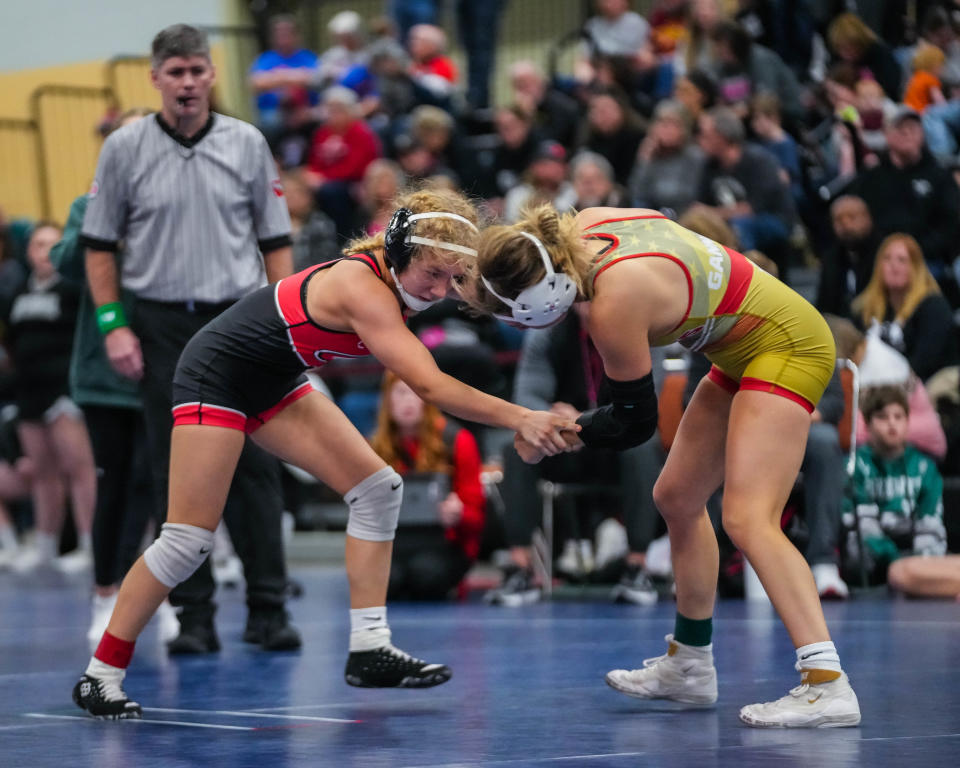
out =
column 128, row 76
column 66, row 117
column 21, row 188
column 50, row 159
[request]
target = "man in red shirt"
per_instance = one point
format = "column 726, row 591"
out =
column 342, row 148
column 431, row 67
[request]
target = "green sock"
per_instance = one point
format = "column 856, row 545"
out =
column 693, row 631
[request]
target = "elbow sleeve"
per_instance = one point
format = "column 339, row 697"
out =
column 629, row 420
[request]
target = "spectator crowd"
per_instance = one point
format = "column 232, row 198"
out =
column 819, row 138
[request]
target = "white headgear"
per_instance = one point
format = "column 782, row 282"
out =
column 542, row 303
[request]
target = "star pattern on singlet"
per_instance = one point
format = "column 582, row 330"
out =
column 638, row 240
column 696, row 268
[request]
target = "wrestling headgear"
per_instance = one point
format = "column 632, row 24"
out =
column 543, row 302
column 399, row 241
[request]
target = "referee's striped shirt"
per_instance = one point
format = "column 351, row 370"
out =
column 193, row 214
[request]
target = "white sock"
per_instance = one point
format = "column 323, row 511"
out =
column 696, row 650
column 368, row 628
column 103, row 671
column 818, row 656
column 8, row 538
column 46, row 544
column 85, row 542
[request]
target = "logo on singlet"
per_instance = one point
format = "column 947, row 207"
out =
column 326, row 355
column 715, row 276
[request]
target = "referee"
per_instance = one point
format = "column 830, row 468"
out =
column 195, row 198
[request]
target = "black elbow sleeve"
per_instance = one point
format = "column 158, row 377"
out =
column 629, row 420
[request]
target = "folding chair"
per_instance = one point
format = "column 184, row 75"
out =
column 543, row 536
column 850, row 379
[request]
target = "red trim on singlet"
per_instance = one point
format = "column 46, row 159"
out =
column 217, row 416
column 723, row 380
column 669, row 256
column 614, row 242
column 291, row 397
column 673, row 258
column 731, row 385
column 209, row 416
column 741, row 273
column 624, row 218
column 314, row 344
column 759, row 385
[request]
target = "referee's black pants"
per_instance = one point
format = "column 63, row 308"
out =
column 124, row 489
column 254, row 505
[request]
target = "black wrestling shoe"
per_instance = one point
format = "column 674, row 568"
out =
column 104, row 700
column 389, row 667
column 271, row 630
column 194, row 638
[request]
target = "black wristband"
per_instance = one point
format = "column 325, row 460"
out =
column 629, row 420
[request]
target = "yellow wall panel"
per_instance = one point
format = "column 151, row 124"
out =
column 69, row 141
column 20, row 194
column 16, row 87
column 49, row 118
column 129, row 77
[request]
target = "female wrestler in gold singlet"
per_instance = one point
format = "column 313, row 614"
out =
column 651, row 282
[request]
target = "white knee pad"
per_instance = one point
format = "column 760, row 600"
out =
column 375, row 506
column 178, row 552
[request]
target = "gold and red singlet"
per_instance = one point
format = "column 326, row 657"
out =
column 758, row 333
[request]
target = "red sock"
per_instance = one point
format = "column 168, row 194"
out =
column 114, row 651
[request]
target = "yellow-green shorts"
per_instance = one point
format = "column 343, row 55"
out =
column 788, row 351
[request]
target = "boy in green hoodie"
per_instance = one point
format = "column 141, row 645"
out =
column 896, row 490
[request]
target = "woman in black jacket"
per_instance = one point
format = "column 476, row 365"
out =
column 904, row 302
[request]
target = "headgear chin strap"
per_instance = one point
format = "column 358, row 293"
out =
column 399, row 241
column 544, row 302
column 417, row 305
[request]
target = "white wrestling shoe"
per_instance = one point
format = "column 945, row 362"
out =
column 102, row 610
column 829, row 583
column 823, row 705
column 168, row 625
column 685, row 673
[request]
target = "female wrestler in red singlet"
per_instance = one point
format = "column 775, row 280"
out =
column 243, row 374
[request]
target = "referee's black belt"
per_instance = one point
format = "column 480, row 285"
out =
column 190, row 306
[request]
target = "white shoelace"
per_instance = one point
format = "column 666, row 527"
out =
column 799, row 690
column 655, row 660
column 110, row 690
column 403, row 655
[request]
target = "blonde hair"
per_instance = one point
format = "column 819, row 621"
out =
column 848, row 29
column 446, row 230
column 426, row 118
column 433, row 454
column 927, row 58
column 846, row 336
column 767, row 104
column 705, row 222
column 872, row 303
column 512, row 263
column 763, row 261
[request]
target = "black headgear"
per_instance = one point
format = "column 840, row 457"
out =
column 399, row 240
column 398, row 248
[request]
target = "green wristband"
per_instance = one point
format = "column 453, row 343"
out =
column 110, row 316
